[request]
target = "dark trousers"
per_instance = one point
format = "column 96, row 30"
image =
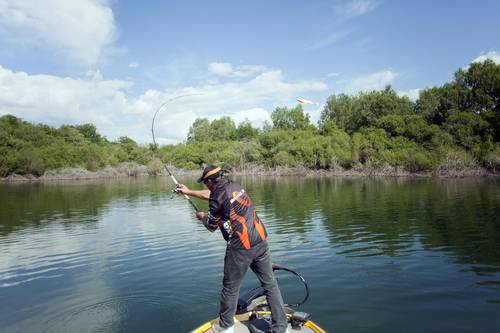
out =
column 236, row 263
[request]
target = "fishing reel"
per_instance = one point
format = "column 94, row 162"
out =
column 175, row 190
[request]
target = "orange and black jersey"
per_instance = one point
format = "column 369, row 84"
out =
column 231, row 210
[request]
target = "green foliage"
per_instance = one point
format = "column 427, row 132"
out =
column 155, row 167
column 130, row 151
column 351, row 113
column 89, row 131
column 467, row 128
column 245, row 131
column 191, row 155
column 199, row 130
column 285, row 119
column 202, row 130
column 341, row 146
column 33, row 149
column 473, row 90
column 337, row 112
column 415, row 128
column 305, row 148
column 435, row 103
column 450, row 127
column 375, row 148
column 480, row 83
column 222, row 129
column 491, row 158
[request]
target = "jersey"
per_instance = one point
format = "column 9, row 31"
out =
column 231, row 210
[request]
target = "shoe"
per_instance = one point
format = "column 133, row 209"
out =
column 254, row 329
column 216, row 328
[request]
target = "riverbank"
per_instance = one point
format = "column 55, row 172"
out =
column 135, row 170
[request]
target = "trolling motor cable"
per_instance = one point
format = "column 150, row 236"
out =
column 245, row 301
column 156, row 147
column 277, row 267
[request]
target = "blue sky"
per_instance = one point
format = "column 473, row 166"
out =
column 113, row 63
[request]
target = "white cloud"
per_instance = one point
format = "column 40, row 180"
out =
column 344, row 12
column 254, row 99
column 257, row 116
column 373, row 81
column 355, row 8
column 80, row 31
column 133, row 64
column 412, row 94
column 331, row 39
column 220, row 68
column 492, row 55
column 225, row 69
column 56, row 100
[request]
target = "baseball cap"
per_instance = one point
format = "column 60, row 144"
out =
column 210, row 172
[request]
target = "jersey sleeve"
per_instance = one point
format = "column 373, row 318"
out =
column 212, row 219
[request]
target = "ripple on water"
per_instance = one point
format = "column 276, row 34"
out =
column 483, row 270
column 141, row 263
column 114, row 313
column 44, row 267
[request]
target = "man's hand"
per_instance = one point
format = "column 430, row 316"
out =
column 200, row 215
column 181, row 189
column 200, row 194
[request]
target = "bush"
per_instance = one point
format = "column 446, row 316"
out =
column 456, row 161
column 351, row 113
column 490, row 156
column 467, row 128
column 154, row 167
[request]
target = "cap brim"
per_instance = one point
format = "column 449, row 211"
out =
column 200, row 180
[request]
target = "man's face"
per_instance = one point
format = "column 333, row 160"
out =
column 208, row 183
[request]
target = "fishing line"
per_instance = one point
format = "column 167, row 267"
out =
column 156, row 146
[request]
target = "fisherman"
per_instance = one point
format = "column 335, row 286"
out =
column 232, row 211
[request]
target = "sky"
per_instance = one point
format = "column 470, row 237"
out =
column 115, row 63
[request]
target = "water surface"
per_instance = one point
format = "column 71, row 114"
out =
column 379, row 255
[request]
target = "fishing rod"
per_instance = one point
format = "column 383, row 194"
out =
column 156, row 147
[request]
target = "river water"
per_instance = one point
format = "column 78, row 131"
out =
column 379, row 255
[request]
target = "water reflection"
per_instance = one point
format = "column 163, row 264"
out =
column 387, row 216
column 123, row 256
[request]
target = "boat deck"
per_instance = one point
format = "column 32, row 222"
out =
column 262, row 326
column 242, row 328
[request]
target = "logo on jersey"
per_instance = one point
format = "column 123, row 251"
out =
column 227, row 227
column 236, row 195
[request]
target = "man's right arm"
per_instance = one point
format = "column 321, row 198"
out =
column 200, row 194
column 212, row 218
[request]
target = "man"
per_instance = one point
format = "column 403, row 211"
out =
column 232, row 211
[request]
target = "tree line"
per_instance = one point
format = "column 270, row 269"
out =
column 456, row 124
column 27, row 148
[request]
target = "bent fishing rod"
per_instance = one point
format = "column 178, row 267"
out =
column 156, row 147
